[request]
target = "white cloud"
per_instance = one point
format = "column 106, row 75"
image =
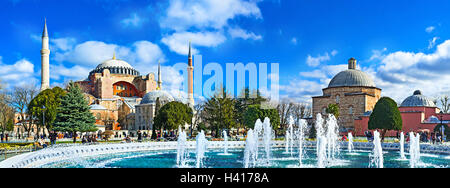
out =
column 73, row 73
column 315, row 61
column 184, row 14
column 179, row 42
column 204, row 22
column 134, row 20
column 19, row 73
column 237, row 32
column 294, row 41
column 432, row 42
column 377, row 54
column 94, row 52
column 430, row 29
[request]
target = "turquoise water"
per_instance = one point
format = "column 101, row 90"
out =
column 216, row 159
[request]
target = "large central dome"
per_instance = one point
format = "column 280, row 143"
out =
column 116, row 66
column 351, row 77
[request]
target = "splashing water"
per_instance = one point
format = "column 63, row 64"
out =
column 301, row 139
column 267, row 138
column 414, row 149
column 350, row 142
column 332, row 137
column 202, row 145
column 321, row 142
column 225, row 139
column 181, row 148
column 290, row 136
column 250, row 149
column 377, row 153
column 402, row 146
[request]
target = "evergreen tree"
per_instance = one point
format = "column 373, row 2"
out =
column 74, row 113
column 219, row 112
column 333, row 109
column 385, row 116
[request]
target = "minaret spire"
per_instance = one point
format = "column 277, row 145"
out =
column 190, row 70
column 45, row 61
column 159, row 76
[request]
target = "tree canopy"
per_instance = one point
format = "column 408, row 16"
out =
column 385, row 116
column 333, row 109
column 44, row 106
column 172, row 115
column 255, row 112
column 219, row 112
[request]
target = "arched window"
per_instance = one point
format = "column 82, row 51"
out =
column 324, row 110
column 350, row 110
column 337, row 99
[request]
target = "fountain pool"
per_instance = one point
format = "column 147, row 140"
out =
column 213, row 159
column 164, row 155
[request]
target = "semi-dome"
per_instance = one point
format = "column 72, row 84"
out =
column 351, row 77
column 116, row 66
column 417, row 99
column 151, row 97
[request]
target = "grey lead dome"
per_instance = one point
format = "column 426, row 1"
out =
column 417, row 99
column 351, row 77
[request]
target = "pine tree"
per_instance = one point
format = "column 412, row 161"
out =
column 74, row 113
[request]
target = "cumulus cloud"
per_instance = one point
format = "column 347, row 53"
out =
column 237, row 32
column 178, row 42
column 204, row 22
column 184, row 14
column 315, row 61
column 134, row 20
column 19, row 73
column 94, row 52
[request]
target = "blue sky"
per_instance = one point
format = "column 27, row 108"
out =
column 403, row 44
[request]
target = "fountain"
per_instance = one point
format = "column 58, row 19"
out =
column 268, row 136
column 250, row 149
column 302, row 126
column 182, row 152
column 332, row 138
column 350, row 142
column 257, row 131
column 377, row 153
column 225, row 139
column 321, row 142
column 402, row 146
column 414, row 149
column 202, row 146
column 289, row 140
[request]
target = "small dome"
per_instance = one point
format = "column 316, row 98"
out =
column 417, row 99
column 151, row 97
column 351, row 77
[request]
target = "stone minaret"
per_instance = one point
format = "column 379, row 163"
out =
column 190, row 70
column 159, row 76
column 45, row 67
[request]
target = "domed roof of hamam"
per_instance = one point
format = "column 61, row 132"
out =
column 151, row 97
column 351, row 77
column 417, row 99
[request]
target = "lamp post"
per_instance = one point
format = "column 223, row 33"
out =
column 442, row 125
column 43, row 118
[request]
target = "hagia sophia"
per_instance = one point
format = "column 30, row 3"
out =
column 356, row 95
column 121, row 99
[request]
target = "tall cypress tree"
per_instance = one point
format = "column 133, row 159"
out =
column 74, row 113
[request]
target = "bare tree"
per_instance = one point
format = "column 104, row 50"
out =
column 198, row 114
column 445, row 104
column 300, row 111
column 6, row 111
column 284, row 109
column 20, row 99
